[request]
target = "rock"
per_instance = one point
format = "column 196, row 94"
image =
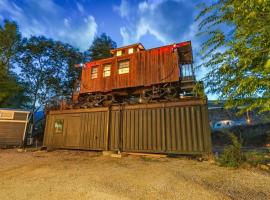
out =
column 20, row 150
column 43, row 148
column 212, row 161
column 200, row 159
column 264, row 167
column 108, row 153
column 116, row 155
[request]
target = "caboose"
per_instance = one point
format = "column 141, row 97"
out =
column 136, row 75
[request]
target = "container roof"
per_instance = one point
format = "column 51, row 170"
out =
column 15, row 110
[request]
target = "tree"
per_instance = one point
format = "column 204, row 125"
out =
column 47, row 69
column 70, row 58
column 236, row 51
column 101, row 47
column 12, row 92
column 10, row 40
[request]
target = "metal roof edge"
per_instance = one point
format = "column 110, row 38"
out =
column 15, row 110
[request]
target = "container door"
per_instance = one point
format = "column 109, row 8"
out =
column 73, row 131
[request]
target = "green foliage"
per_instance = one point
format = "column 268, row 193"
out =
column 232, row 155
column 236, row 51
column 12, row 92
column 199, row 89
column 255, row 158
column 9, row 44
column 47, row 69
column 101, row 47
column 10, row 39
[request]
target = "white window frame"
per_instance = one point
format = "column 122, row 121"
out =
column 94, row 75
column 123, row 69
column 107, row 70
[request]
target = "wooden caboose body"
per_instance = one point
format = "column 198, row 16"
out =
column 134, row 72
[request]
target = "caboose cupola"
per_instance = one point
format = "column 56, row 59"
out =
column 126, row 50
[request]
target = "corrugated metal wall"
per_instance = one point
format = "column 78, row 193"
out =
column 93, row 131
column 178, row 127
column 81, row 131
column 11, row 133
column 13, row 128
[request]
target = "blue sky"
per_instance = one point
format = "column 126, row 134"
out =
column 151, row 22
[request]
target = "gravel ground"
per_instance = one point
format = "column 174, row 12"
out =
column 89, row 175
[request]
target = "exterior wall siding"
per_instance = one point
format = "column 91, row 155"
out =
column 177, row 127
column 11, row 133
column 12, row 129
column 20, row 116
column 146, row 68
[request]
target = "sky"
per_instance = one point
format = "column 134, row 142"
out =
column 152, row 22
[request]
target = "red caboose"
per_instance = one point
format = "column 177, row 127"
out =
column 134, row 74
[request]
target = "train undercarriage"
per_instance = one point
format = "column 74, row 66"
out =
column 155, row 93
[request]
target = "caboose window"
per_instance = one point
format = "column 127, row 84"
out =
column 123, row 67
column 106, row 70
column 130, row 51
column 94, row 72
column 119, row 53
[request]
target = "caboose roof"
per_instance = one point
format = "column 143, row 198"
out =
column 139, row 45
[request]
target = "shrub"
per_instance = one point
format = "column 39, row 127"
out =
column 232, row 155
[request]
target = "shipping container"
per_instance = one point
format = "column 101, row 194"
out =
column 13, row 125
column 180, row 127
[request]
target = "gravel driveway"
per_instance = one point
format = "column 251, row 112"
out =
column 89, row 175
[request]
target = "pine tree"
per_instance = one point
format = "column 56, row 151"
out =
column 101, row 47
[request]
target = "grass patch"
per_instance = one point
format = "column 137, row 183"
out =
column 255, row 158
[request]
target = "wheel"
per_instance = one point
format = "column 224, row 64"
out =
column 171, row 93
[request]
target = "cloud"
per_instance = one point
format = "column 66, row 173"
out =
column 45, row 17
column 85, row 33
column 66, row 22
column 123, row 9
column 80, row 7
column 167, row 20
column 11, row 8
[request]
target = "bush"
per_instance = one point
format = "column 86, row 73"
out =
column 232, row 155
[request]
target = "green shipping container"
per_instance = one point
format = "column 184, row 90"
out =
column 180, row 127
